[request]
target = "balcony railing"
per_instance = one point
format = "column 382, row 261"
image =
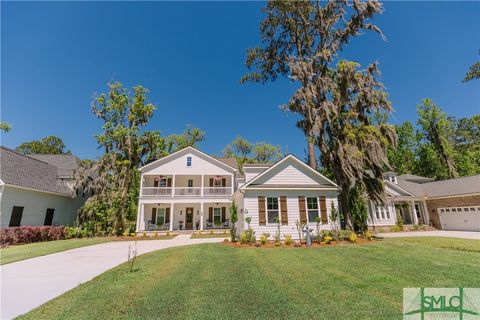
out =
column 186, row 192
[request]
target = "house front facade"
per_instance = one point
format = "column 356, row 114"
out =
column 187, row 190
column 190, row 190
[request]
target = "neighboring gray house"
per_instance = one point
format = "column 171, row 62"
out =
column 452, row 204
column 37, row 190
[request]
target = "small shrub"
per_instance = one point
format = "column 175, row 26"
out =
column 277, row 244
column 264, row 238
column 155, row 234
column 327, row 240
column 288, row 239
column 368, row 235
column 344, row 235
column 243, row 237
column 325, row 233
column 125, row 234
column 396, row 228
column 168, row 233
column 144, row 234
column 353, row 237
column 211, row 231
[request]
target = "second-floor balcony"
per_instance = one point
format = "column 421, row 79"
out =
column 187, row 186
column 186, row 192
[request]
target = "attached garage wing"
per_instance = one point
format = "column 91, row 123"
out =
column 460, row 218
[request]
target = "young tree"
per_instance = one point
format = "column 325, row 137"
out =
column 266, row 153
column 47, row 145
column 302, row 40
column 5, row 126
column 233, row 219
column 437, row 129
column 115, row 186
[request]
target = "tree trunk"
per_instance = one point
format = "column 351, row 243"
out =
column 347, row 215
column 312, row 160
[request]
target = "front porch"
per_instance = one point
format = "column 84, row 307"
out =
column 169, row 216
column 412, row 212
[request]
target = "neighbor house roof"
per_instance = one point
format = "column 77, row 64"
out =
column 66, row 163
column 441, row 188
column 232, row 162
column 24, row 171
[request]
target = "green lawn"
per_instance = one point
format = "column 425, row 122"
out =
column 31, row 250
column 214, row 281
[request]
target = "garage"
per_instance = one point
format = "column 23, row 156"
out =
column 460, row 218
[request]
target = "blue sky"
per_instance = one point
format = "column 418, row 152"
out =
column 56, row 55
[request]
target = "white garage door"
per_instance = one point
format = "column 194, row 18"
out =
column 460, row 218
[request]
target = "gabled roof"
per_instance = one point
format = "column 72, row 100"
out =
column 66, row 163
column 185, row 151
column 302, row 165
column 395, row 187
column 17, row 169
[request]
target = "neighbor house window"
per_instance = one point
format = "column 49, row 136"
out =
column 16, row 217
column 217, row 216
column 312, row 209
column 189, row 161
column 49, row 217
column 190, row 183
column 272, row 210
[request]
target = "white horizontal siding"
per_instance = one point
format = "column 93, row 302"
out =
column 35, row 207
column 178, row 166
column 250, row 203
column 289, row 175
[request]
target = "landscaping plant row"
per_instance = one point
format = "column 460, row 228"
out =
column 29, row 234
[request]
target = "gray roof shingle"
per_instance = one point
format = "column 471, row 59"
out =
column 442, row 188
column 66, row 163
column 24, row 171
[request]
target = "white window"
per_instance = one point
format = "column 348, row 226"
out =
column 382, row 211
column 189, row 161
column 160, row 216
column 217, row 216
column 272, row 210
column 217, row 182
column 312, row 209
column 377, row 212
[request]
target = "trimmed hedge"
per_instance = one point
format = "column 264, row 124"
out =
column 29, row 234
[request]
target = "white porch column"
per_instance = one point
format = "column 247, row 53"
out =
column 171, row 216
column 414, row 212
column 201, row 213
column 142, row 218
column 173, row 186
column 141, row 185
column 201, row 191
column 233, row 184
column 139, row 213
column 426, row 214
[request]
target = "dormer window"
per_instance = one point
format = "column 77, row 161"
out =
column 189, row 161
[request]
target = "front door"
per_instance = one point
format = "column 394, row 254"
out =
column 189, row 218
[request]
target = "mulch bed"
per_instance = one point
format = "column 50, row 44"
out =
column 271, row 244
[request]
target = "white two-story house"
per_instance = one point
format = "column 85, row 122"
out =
column 190, row 190
column 187, row 190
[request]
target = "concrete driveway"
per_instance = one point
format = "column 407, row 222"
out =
column 30, row 283
column 437, row 233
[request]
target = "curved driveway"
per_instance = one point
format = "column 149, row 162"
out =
column 30, row 283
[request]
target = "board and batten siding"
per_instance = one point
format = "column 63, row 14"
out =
column 35, row 205
column 250, row 203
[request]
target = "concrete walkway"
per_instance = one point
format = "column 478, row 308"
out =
column 438, row 233
column 30, row 283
